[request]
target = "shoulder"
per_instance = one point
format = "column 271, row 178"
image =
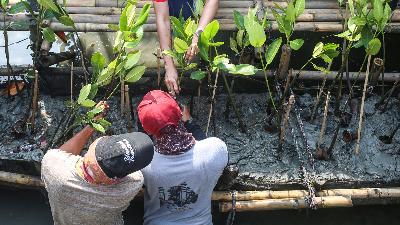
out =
column 213, row 149
column 56, row 158
column 213, row 143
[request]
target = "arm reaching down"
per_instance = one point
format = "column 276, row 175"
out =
column 164, row 36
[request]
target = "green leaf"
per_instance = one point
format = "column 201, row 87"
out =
column 296, row 44
column 98, row 62
column 190, row 27
column 210, row 31
column 272, row 50
column 198, row 75
column 93, row 91
column 4, row 3
column 290, row 13
column 17, row 8
column 322, row 69
column 180, row 45
column 98, row 127
column 132, row 59
column 374, row 46
column 106, row 74
column 104, row 123
column 299, row 7
column 130, row 15
column 49, row 4
column 84, row 93
column 133, row 37
column 216, row 44
column 66, row 20
column 113, row 27
column 233, row 45
column 318, row 50
column 49, row 34
column 170, row 53
column 123, row 20
column 256, row 32
column 88, row 103
column 244, row 69
column 239, row 38
column 351, row 7
column 190, row 66
column 144, row 14
column 177, row 27
column 377, row 10
column 97, row 110
column 239, row 20
column 135, row 74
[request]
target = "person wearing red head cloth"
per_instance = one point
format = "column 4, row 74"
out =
column 184, row 171
column 166, row 8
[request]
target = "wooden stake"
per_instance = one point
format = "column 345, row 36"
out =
column 34, row 101
column 158, row 67
column 72, row 81
column 122, row 97
column 212, row 101
column 360, row 121
column 128, row 110
column 323, row 126
column 284, row 62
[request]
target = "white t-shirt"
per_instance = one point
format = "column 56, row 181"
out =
column 178, row 188
column 75, row 201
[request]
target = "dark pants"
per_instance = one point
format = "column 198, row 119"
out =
column 176, row 6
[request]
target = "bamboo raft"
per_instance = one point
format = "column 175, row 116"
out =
column 262, row 200
column 95, row 15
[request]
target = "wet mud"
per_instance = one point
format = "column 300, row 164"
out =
column 262, row 165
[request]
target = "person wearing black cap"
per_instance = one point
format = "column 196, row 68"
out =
column 98, row 187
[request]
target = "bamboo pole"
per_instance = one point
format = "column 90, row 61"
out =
column 376, row 71
column 305, row 75
column 279, row 204
column 21, row 179
column 361, row 193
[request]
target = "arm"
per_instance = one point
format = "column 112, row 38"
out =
column 209, row 11
column 78, row 141
column 164, row 36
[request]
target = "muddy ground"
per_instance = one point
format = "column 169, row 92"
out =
column 262, row 165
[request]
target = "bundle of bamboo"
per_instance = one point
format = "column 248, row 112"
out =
column 319, row 16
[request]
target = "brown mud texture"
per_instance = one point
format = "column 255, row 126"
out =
column 262, row 165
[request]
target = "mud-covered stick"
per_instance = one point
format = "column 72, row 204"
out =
column 323, row 126
column 285, row 120
column 360, row 122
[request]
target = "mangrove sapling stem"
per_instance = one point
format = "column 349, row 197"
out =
column 79, row 44
column 284, row 62
column 345, row 47
column 389, row 95
column 285, row 121
column 159, row 67
column 122, row 96
column 72, row 81
column 232, row 102
column 323, row 126
column 357, row 149
column 317, row 100
column 384, row 62
column 127, row 110
column 266, row 80
column 389, row 139
column 212, row 101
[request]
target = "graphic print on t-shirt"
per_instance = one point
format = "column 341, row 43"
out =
column 179, row 197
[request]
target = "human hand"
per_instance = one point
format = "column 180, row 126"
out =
column 171, row 81
column 186, row 114
column 104, row 109
column 193, row 49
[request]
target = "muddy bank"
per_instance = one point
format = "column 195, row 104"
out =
column 262, row 166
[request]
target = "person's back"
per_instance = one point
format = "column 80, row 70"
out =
column 75, row 201
column 178, row 188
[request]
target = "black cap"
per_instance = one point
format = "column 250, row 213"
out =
column 120, row 155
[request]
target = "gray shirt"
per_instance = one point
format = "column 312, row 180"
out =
column 178, row 188
column 75, row 201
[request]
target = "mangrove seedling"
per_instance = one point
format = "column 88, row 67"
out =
column 286, row 19
column 124, row 68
